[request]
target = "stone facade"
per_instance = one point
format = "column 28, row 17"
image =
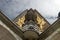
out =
column 8, row 30
column 5, row 34
column 53, row 32
column 33, row 18
column 29, row 25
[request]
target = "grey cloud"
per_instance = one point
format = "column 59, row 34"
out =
column 12, row 8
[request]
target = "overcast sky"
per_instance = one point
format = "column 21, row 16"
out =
column 12, row 8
